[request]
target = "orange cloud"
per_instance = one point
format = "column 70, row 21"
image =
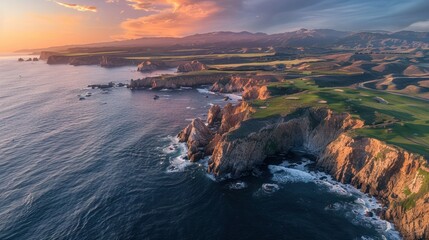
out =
column 172, row 18
column 148, row 5
column 80, row 8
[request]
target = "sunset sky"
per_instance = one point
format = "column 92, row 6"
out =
column 42, row 23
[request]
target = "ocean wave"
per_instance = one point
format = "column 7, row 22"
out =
column 205, row 91
column 360, row 212
column 238, row 185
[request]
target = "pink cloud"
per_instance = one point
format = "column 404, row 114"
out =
column 80, row 8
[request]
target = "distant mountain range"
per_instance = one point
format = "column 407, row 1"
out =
column 301, row 38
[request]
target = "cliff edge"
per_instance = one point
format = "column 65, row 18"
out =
column 399, row 179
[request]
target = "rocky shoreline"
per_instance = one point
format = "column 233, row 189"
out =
column 239, row 144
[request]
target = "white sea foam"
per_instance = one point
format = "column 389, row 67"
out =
column 237, row 185
column 205, row 91
column 177, row 152
column 360, row 212
column 178, row 164
column 234, row 97
column 185, row 88
column 284, row 175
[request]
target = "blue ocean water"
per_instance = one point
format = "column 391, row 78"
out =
column 109, row 167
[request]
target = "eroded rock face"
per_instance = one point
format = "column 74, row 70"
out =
column 193, row 66
column 232, row 116
column 214, row 116
column 197, row 136
column 239, row 83
column 256, row 92
column 312, row 131
column 396, row 177
column 149, row 66
column 174, row 82
column 201, row 140
column 399, row 179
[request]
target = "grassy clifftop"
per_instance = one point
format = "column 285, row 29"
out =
column 395, row 119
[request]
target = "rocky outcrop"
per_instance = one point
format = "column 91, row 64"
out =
column 399, row 179
column 44, row 55
column 149, row 66
column 221, row 82
column 82, row 60
column 111, row 61
column 240, row 83
column 173, row 82
column 103, row 61
column 58, row 59
column 202, row 140
column 232, row 116
column 256, row 92
column 197, row 136
column 396, row 177
column 245, row 148
column 193, row 66
column 214, row 116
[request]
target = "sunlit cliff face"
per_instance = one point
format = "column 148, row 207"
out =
column 43, row 23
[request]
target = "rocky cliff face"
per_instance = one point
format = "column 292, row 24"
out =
column 256, row 92
column 104, row 61
column 396, row 177
column 238, row 153
column 197, row 136
column 246, row 83
column 149, row 66
column 201, row 140
column 173, row 82
column 44, row 55
column 399, row 179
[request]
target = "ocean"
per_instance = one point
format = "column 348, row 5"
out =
column 110, row 167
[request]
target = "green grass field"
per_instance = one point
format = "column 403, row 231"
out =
column 196, row 57
column 407, row 119
column 82, row 54
column 272, row 63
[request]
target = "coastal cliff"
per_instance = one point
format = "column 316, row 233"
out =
column 53, row 58
column 311, row 130
column 220, row 82
column 399, row 179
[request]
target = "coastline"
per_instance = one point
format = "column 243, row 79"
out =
column 327, row 161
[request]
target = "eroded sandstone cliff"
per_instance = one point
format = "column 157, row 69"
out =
column 396, row 177
column 239, row 151
column 399, row 179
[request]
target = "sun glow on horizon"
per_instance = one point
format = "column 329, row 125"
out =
column 30, row 24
